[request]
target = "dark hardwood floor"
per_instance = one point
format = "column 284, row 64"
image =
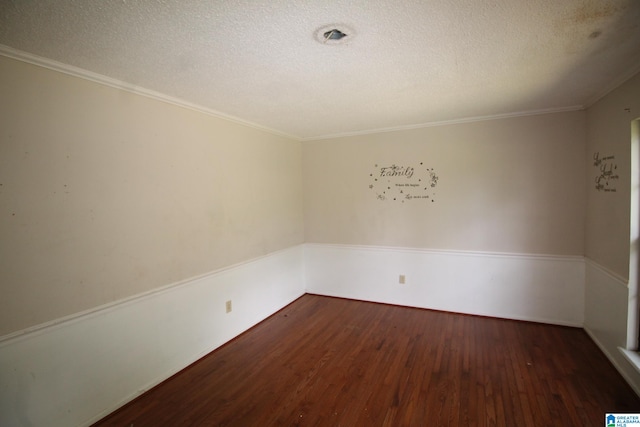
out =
column 331, row 362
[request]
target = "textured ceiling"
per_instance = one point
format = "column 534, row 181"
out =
column 404, row 63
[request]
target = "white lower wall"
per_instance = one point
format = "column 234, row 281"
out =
column 78, row 370
column 606, row 307
column 546, row 289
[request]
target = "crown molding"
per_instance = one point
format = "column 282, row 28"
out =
column 449, row 122
column 122, row 85
column 128, row 87
column 622, row 78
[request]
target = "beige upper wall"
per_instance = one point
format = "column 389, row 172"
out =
column 608, row 213
column 513, row 185
column 105, row 194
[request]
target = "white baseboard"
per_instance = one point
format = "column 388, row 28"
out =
column 548, row 289
column 74, row 372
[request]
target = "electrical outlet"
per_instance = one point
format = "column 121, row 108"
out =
column 228, row 306
column 402, row 279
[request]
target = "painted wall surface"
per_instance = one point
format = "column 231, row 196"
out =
column 75, row 372
column 513, row 185
column 605, row 318
column 536, row 288
column 609, row 134
column 106, row 194
column 610, row 301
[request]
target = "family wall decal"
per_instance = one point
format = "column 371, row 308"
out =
column 400, row 183
column 607, row 176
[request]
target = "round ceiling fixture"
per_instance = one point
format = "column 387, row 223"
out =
column 334, row 34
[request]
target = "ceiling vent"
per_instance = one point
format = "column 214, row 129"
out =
column 334, row 34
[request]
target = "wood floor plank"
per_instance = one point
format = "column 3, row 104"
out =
column 332, row 362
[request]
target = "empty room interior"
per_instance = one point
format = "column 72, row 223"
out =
column 181, row 179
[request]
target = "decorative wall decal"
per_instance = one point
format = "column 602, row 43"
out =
column 399, row 183
column 607, row 175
